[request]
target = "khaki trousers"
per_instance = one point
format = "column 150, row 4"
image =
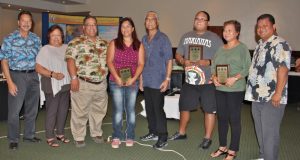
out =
column 88, row 104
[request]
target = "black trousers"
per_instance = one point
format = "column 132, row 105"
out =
column 229, row 106
column 157, row 121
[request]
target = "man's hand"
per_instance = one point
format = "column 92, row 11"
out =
column 164, row 85
column 276, row 99
column 188, row 63
column 75, row 85
column 12, row 88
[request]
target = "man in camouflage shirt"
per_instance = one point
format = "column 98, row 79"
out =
column 86, row 59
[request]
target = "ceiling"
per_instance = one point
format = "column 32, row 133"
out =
column 53, row 6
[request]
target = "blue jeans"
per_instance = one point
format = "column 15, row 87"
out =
column 124, row 99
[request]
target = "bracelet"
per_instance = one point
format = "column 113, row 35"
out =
column 168, row 79
column 51, row 73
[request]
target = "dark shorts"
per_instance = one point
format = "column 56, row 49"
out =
column 192, row 96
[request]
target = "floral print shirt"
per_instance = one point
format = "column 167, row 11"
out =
column 19, row 51
column 90, row 57
column 268, row 56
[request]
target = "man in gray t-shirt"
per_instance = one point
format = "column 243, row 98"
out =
column 198, row 88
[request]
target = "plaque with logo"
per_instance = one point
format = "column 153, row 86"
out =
column 195, row 52
column 125, row 74
column 222, row 72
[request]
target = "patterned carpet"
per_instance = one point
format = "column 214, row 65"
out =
column 176, row 150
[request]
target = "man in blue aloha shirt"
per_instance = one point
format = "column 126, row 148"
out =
column 18, row 53
column 267, row 86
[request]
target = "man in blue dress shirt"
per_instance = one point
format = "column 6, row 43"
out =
column 155, row 79
column 18, row 53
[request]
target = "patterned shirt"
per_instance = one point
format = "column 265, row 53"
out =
column 90, row 57
column 267, row 58
column 127, row 58
column 19, row 51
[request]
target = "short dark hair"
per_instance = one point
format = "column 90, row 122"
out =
column 88, row 17
column 236, row 24
column 54, row 27
column 24, row 12
column 206, row 13
column 268, row 16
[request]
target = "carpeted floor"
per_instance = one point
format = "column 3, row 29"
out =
column 176, row 150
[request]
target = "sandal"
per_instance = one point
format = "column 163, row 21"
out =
column 52, row 143
column 230, row 156
column 63, row 139
column 218, row 153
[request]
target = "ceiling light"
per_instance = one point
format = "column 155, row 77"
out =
column 8, row 5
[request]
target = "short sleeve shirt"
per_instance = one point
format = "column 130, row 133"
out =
column 210, row 43
column 157, row 52
column 19, row 51
column 267, row 58
column 90, row 57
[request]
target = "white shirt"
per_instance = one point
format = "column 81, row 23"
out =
column 53, row 58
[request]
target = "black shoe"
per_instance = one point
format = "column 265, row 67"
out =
column 205, row 144
column 149, row 137
column 13, row 146
column 160, row 144
column 33, row 140
column 178, row 136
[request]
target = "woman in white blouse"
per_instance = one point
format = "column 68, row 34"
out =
column 55, row 83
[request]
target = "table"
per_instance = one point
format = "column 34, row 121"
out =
column 171, row 107
column 3, row 101
column 294, row 87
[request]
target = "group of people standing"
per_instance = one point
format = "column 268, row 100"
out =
column 79, row 70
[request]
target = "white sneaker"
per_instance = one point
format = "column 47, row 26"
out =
column 115, row 143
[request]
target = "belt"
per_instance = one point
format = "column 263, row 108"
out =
column 23, row 71
column 87, row 80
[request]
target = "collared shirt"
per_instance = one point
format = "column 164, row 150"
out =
column 158, row 52
column 19, row 51
column 267, row 58
column 90, row 57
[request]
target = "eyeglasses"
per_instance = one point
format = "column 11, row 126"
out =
column 90, row 25
column 201, row 19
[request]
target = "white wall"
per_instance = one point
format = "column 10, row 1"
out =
column 176, row 16
column 9, row 22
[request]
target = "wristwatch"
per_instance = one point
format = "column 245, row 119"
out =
column 74, row 77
